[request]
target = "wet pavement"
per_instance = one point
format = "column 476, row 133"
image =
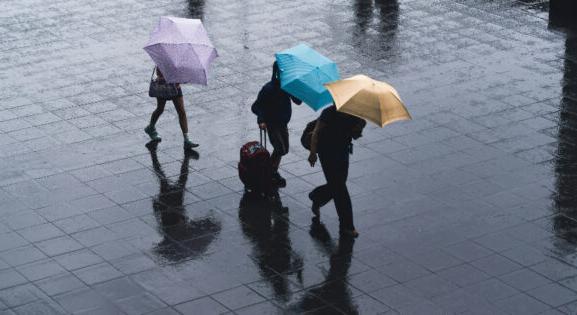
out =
column 471, row 208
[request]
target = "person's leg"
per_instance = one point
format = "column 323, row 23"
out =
column 151, row 128
column 337, row 173
column 321, row 195
column 278, row 136
column 160, row 103
column 183, row 121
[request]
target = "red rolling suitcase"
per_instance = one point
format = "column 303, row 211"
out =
column 255, row 166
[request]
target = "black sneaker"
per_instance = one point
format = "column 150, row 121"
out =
column 315, row 208
column 349, row 233
column 278, row 180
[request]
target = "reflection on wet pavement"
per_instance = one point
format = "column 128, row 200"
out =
column 183, row 237
column 265, row 223
column 468, row 209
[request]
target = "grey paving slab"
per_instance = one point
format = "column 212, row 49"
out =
column 469, row 208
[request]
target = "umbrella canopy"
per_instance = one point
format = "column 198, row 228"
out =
column 181, row 49
column 369, row 99
column 303, row 71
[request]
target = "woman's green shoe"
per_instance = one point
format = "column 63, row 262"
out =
column 151, row 132
column 189, row 145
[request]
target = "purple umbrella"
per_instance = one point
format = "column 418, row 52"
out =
column 181, row 49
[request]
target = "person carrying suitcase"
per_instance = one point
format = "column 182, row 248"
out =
column 273, row 110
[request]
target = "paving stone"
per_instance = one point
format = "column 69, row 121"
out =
column 522, row 304
column 463, row 275
column 10, row 278
column 60, row 283
column 41, row 269
column 496, row 265
column 238, row 297
column 524, row 279
column 553, row 294
column 204, row 305
column 474, row 194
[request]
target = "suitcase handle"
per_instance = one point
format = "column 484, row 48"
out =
column 261, row 136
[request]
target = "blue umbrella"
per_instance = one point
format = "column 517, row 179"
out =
column 303, row 71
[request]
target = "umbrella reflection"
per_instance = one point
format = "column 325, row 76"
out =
column 265, row 224
column 184, row 238
column 334, row 290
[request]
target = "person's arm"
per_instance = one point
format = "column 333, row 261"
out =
column 315, row 141
column 256, row 108
column 296, row 100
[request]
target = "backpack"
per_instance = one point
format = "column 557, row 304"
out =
column 307, row 135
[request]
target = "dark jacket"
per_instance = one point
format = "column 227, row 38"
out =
column 273, row 105
column 336, row 137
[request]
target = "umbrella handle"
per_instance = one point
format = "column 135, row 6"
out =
column 261, row 137
column 152, row 75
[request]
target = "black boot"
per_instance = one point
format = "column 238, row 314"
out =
column 278, row 180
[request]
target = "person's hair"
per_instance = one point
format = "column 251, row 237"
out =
column 275, row 72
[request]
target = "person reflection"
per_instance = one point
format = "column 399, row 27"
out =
column 363, row 10
column 565, row 198
column 183, row 238
column 379, row 41
column 334, row 290
column 196, row 9
column 388, row 19
column 264, row 221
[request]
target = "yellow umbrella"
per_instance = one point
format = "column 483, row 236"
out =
column 369, row 99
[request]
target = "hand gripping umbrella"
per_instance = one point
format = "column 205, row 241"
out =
column 181, row 49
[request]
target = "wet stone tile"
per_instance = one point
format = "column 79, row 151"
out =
column 524, row 279
column 467, row 251
column 553, row 294
column 21, row 255
column 40, row 269
column 10, row 241
column 496, row 265
column 40, row 307
column 59, row 284
column 58, row 246
column 522, row 304
column 463, row 275
column 238, row 297
column 83, row 300
column 140, row 304
column 97, row 273
column 491, row 290
column 204, row 305
column 482, row 133
column 77, row 259
column 555, row 270
column 397, row 297
column 76, row 224
column 10, row 278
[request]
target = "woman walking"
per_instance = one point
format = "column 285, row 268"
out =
column 178, row 102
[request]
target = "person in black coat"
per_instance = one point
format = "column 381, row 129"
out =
column 273, row 110
column 332, row 140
